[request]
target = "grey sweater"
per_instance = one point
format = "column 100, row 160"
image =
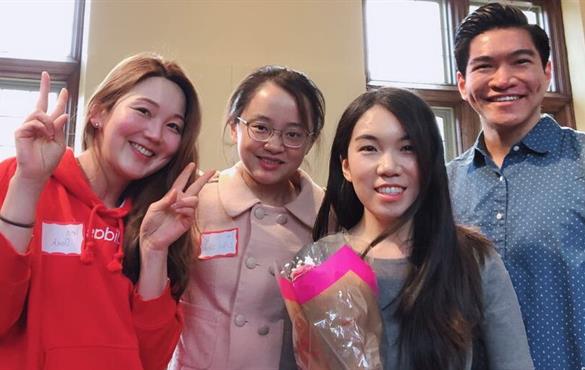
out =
column 503, row 340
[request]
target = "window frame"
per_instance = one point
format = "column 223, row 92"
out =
column 468, row 126
column 66, row 71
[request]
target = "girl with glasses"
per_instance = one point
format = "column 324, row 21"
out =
column 249, row 216
column 446, row 299
column 94, row 249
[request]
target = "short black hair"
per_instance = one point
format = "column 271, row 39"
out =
column 492, row 16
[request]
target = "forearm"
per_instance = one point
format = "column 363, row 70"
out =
column 19, row 206
column 14, row 283
column 158, row 323
column 153, row 272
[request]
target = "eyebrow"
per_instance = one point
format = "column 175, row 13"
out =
column 514, row 54
column 371, row 137
column 268, row 120
column 152, row 102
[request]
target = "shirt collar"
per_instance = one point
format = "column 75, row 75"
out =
column 236, row 197
column 542, row 139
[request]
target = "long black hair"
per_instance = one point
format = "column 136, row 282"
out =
column 440, row 303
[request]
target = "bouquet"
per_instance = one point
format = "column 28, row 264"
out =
column 330, row 294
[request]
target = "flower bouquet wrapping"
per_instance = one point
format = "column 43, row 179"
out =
column 330, row 294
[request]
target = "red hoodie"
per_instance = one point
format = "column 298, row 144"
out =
column 66, row 305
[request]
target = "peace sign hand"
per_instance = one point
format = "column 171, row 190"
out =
column 40, row 141
column 169, row 218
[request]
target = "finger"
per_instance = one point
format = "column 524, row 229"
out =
column 43, row 99
column 190, row 201
column 45, row 119
column 197, row 185
column 61, row 104
column 185, row 212
column 168, row 200
column 31, row 129
column 183, row 177
column 59, row 125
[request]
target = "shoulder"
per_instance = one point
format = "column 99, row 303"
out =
column 575, row 139
column 462, row 161
column 306, row 184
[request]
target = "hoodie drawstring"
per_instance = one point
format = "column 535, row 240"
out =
column 87, row 250
column 116, row 263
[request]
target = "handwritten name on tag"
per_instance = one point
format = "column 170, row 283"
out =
column 58, row 238
column 222, row 243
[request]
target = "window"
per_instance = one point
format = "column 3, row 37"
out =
column 49, row 40
column 409, row 43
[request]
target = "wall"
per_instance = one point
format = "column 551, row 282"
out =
column 574, row 20
column 219, row 42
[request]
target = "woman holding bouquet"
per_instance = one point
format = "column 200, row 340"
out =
column 445, row 296
column 259, row 211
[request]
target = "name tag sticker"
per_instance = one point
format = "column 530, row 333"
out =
column 221, row 243
column 59, row 238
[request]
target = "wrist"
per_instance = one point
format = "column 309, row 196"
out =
column 31, row 185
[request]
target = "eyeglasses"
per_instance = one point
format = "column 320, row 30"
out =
column 292, row 137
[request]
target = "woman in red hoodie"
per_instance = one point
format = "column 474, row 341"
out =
column 94, row 250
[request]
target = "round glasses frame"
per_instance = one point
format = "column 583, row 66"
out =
column 270, row 132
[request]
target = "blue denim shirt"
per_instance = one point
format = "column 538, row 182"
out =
column 533, row 209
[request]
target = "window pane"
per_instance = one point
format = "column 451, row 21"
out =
column 17, row 101
column 398, row 48
column 36, row 29
column 445, row 117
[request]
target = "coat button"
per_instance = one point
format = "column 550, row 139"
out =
column 259, row 213
column 240, row 320
column 281, row 219
column 263, row 330
column 251, row 262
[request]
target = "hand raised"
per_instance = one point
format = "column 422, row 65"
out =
column 40, row 141
column 169, row 218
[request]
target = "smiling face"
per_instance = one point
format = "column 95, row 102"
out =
column 268, row 166
column 143, row 130
column 381, row 165
column 505, row 81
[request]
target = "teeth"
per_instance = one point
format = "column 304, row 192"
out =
column 506, row 98
column 142, row 150
column 390, row 190
column 271, row 160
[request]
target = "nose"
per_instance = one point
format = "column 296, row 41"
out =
column 154, row 131
column 275, row 143
column 389, row 165
column 502, row 78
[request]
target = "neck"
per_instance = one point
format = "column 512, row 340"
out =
column 499, row 140
column 394, row 246
column 102, row 181
column 272, row 194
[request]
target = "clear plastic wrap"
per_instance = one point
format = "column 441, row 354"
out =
column 331, row 297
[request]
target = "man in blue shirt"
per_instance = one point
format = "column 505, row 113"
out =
column 523, row 181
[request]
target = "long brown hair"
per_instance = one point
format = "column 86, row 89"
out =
column 127, row 74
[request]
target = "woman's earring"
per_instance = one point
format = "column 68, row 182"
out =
column 96, row 124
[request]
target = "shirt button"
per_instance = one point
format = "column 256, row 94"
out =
column 259, row 213
column 499, row 216
column 251, row 263
column 281, row 219
column 240, row 320
column 263, row 330
column 516, row 148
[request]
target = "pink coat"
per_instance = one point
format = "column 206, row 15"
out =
column 233, row 310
